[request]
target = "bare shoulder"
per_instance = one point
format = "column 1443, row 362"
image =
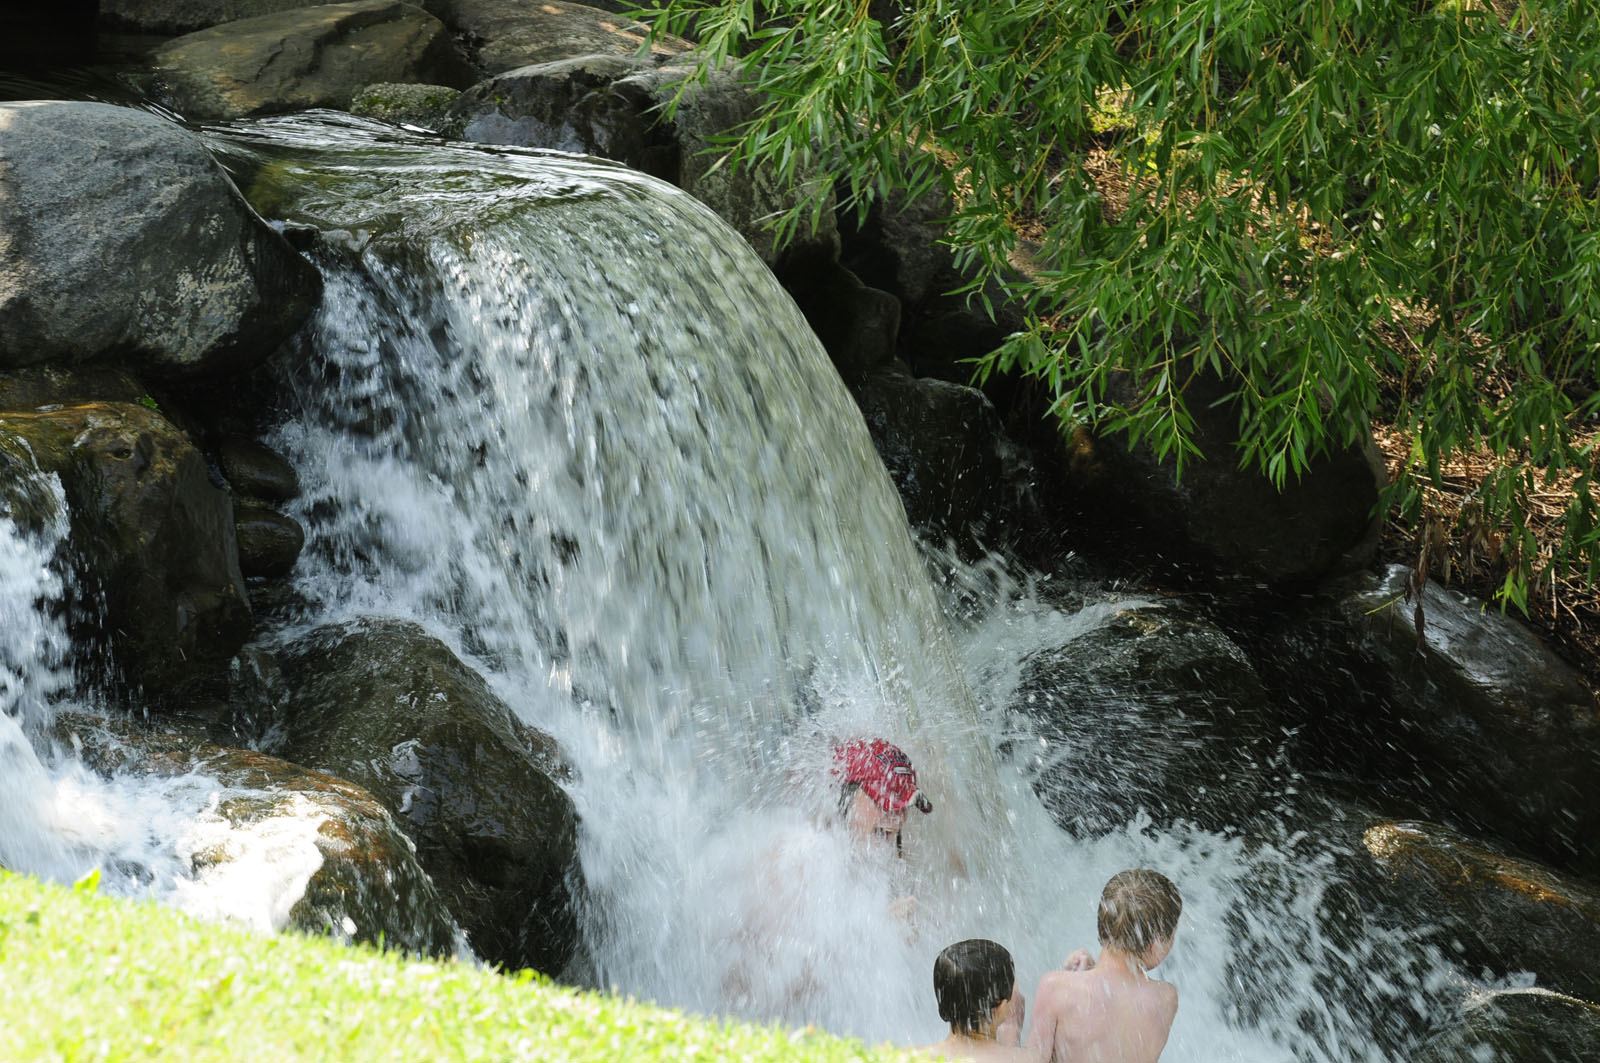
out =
column 1166, row 995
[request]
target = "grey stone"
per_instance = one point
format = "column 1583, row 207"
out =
column 383, row 704
column 256, row 470
column 503, row 35
column 119, row 235
column 308, row 57
column 184, row 16
column 154, row 535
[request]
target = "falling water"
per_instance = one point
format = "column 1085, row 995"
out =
column 561, row 416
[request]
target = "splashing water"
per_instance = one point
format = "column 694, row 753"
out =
column 561, row 416
column 564, row 418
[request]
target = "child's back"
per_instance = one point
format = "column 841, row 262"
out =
column 1113, row 1011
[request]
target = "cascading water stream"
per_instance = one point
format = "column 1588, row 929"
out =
column 561, row 416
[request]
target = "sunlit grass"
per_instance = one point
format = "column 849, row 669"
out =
column 89, row 977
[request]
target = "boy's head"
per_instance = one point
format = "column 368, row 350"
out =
column 1139, row 909
column 970, row 979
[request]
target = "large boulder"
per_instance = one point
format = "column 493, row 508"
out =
column 1148, row 707
column 941, row 444
column 307, row 57
column 385, row 705
column 1518, row 1026
column 502, row 35
column 1504, row 735
column 420, row 105
column 153, row 533
column 183, row 16
column 1496, row 911
column 119, row 235
column 355, row 873
column 1321, row 524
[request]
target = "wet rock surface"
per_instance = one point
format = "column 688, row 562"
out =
column 308, row 57
column 1505, row 734
column 502, row 35
column 269, row 542
column 1496, row 911
column 1152, row 707
column 368, row 887
column 1519, row 1026
column 256, row 470
column 124, row 239
column 152, row 532
column 387, row 706
column 939, row 442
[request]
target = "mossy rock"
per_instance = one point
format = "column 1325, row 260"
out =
column 405, row 104
column 384, row 704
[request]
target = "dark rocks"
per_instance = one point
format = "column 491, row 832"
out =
column 184, row 16
column 606, row 104
column 1504, row 734
column 1150, row 707
column 939, row 442
column 269, row 542
column 123, row 238
column 153, row 533
column 1518, row 1026
column 419, row 105
column 1499, row 912
column 586, row 104
column 383, row 704
column 309, row 57
column 856, row 324
column 1322, row 524
column 502, row 35
column 256, row 470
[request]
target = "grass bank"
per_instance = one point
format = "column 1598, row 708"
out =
column 89, row 977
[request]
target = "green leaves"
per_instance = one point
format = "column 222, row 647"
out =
column 1284, row 180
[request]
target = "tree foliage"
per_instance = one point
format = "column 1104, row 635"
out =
column 1306, row 180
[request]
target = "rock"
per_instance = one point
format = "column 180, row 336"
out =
column 584, row 105
column 856, row 324
column 1503, row 733
column 1150, row 707
column 368, row 888
column 502, row 35
column 171, row 17
column 418, row 105
column 1497, row 911
column 383, row 704
column 119, row 235
column 897, row 248
column 308, row 57
column 34, row 386
column 269, row 542
column 606, row 105
column 26, row 498
column 152, row 533
column 257, row 471
column 1518, row 1026
column 940, row 443
column 1323, row 524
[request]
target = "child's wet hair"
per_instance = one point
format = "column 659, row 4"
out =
column 970, row 979
column 1138, row 908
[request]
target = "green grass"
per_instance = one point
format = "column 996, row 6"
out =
column 89, row 977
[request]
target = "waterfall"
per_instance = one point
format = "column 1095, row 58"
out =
column 558, row 414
